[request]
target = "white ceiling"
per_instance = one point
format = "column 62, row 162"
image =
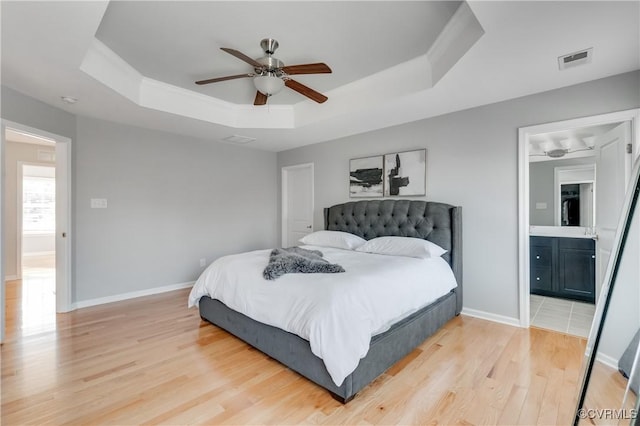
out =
column 180, row 43
column 44, row 44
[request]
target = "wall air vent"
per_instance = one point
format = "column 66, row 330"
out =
column 237, row 139
column 576, row 58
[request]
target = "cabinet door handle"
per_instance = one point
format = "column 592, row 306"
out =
column 593, row 256
column 537, row 278
column 537, row 257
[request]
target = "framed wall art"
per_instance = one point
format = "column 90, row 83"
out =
column 405, row 173
column 365, row 177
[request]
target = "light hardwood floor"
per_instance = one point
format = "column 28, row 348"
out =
column 153, row 361
column 606, row 392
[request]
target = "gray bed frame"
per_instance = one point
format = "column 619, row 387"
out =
column 437, row 222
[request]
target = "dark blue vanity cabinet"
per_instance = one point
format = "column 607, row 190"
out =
column 563, row 267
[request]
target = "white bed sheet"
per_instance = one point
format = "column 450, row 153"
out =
column 337, row 313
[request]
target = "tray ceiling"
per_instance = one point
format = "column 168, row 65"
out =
column 134, row 62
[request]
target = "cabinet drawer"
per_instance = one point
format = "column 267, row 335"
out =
column 540, row 257
column 541, row 279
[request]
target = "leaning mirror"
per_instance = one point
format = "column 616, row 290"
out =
column 611, row 370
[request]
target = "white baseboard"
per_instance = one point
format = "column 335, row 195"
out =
column 607, row 360
column 132, row 295
column 515, row 322
column 11, row 277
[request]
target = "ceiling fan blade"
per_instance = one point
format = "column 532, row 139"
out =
column 261, row 98
column 242, row 57
column 317, row 68
column 306, row 91
column 229, row 77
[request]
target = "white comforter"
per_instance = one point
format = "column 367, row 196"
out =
column 336, row 313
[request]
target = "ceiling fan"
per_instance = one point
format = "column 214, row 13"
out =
column 270, row 74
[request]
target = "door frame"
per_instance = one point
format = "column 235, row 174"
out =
column 524, row 286
column 285, row 197
column 64, row 283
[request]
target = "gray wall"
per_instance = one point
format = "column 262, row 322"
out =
column 171, row 200
column 541, row 180
column 25, row 110
column 472, row 159
column 13, row 153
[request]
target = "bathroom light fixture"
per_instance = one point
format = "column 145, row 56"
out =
column 557, row 153
column 560, row 152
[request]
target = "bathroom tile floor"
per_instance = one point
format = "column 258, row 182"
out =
column 566, row 316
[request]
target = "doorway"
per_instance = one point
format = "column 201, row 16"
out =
column 35, row 288
column 297, row 203
column 577, row 208
column 35, row 248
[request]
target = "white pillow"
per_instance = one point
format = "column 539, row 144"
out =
column 402, row 246
column 337, row 239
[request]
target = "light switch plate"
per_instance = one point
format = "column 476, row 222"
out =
column 98, row 203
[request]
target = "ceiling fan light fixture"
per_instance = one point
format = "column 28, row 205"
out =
column 268, row 84
column 271, row 75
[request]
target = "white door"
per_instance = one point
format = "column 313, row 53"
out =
column 297, row 203
column 613, row 170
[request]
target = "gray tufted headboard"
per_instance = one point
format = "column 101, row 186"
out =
column 437, row 222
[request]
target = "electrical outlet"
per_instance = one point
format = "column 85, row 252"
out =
column 203, row 262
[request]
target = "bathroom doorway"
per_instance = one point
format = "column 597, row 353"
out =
column 568, row 171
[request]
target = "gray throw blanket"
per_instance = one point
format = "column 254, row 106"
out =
column 295, row 259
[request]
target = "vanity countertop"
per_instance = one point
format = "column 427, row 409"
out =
column 561, row 231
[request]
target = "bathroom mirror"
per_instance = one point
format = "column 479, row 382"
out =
column 575, row 195
column 562, row 192
column 611, row 370
column 576, row 204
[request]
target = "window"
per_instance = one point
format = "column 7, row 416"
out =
column 38, row 204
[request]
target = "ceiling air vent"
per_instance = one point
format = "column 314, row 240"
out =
column 237, row 139
column 576, row 58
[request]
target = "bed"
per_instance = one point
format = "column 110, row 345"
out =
column 436, row 222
